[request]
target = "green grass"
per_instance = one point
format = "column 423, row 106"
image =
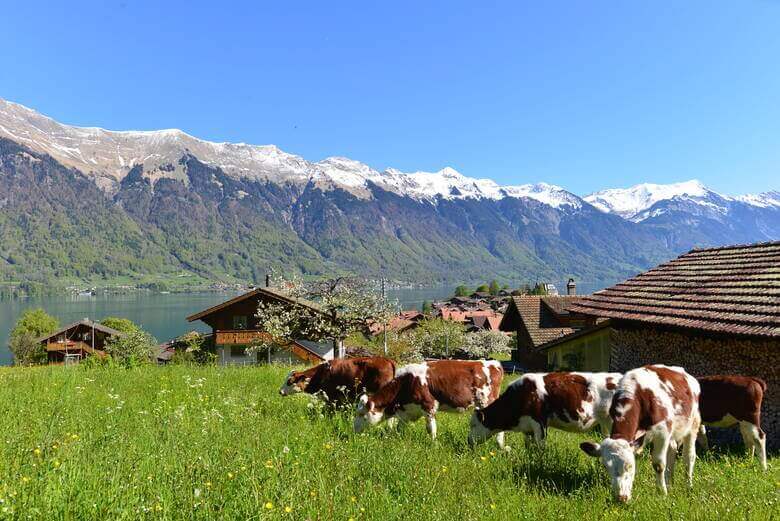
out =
column 210, row 443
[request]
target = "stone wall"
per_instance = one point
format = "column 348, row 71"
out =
column 633, row 346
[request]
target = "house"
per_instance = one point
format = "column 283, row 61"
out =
column 76, row 341
column 540, row 322
column 711, row 311
column 235, row 328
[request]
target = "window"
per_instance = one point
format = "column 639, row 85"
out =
column 237, row 350
column 239, row 322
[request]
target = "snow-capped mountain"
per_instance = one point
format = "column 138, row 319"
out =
column 165, row 200
column 108, row 156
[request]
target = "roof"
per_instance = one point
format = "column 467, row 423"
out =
column 320, row 349
column 84, row 322
column 265, row 292
column 733, row 290
column 539, row 316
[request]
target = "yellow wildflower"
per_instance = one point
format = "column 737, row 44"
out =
column 492, row 506
column 158, row 507
column 231, row 475
column 483, row 458
column 37, row 451
column 74, row 436
column 353, row 498
column 313, row 493
column 208, row 484
column 25, row 479
column 288, row 509
column 269, row 506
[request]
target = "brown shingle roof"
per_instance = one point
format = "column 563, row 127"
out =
column 539, row 316
column 733, row 289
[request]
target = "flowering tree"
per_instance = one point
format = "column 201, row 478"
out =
column 437, row 338
column 320, row 310
column 484, row 343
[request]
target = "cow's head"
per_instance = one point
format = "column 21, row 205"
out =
column 295, row 383
column 478, row 433
column 367, row 414
column 620, row 462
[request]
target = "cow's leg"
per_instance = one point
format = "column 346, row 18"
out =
column 658, row 457
column 430, row 424
column 754, row 438
column 689, row 454
column 702, row 438
column 671, row 459
column 501, row 440
column 539, row 433
column 747, row 438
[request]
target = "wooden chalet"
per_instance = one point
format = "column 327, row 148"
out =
column 234, row 327
column 549, row 337
column 76, row 341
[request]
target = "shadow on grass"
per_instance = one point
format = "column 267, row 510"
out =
column 553, row 477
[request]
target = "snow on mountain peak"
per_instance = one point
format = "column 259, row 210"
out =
column 628, row 202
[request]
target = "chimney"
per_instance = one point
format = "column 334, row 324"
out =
column 571, row 287
column 267, row 280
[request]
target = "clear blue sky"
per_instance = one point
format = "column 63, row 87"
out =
column 585, row 94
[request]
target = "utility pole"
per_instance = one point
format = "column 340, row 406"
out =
column 384, row 306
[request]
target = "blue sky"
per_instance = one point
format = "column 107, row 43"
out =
column 585, row 94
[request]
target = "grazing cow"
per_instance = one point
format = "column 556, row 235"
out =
column 423, row 389
column 657, row 404
column 726, row 401
column 568, row 401
column 341, row 379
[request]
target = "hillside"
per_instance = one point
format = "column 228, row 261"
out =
column 97, row 205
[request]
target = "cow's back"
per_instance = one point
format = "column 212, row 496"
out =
column 345, row 378
column 455, row 384
column 740, row 396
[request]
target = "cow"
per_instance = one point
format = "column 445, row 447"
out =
column 423, row 389
column 341, row 380
column 654, row 404
column 728, row 400
column 569, row 401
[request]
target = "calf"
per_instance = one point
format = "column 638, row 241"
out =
column 568, row 401
column 423, row 389
column 730, row 400
column 341, row 379
column 660, row 405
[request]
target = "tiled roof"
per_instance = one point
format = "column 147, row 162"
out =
column 84, row 322
column 539, row 316
column 259, row 292
column 734, row 289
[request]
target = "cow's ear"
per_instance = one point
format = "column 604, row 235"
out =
column 591, row 449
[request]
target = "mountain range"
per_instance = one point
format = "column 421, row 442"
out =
column 91, row 204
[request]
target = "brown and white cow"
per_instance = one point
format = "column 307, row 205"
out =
column 424, row 389
column 569, row 401
column 728, row 400
column 659, row 405
column 341, row 379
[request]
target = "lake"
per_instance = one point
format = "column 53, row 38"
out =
column 164, row 315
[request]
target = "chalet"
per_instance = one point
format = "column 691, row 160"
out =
column 542, row 322
column 234, row 327
column 711, row 311
column 76, row 341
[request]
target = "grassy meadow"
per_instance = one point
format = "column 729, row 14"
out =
column 211, row 443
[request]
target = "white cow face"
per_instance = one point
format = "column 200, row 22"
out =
column 367, row 414
column 620, row 462
column 295, row 383
column 478, row 433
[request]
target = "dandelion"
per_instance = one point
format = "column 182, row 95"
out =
column 269, row 506
column 328, row 446
column 351, row 519
column 231, row 475
column 492, row 453
column 483, row 458
column 74, row 436
column 25, row 479
column 208, row 484
column 354, row 499
column 158, row 507
column 37, row 451
column 269, row 464
column 288, row 509
column 56, row 463
column 444, row 469
column 362, row 509
column 55, row 446
column 313, row 493
column 492, row 506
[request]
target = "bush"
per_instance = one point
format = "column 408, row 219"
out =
column 483, row 344
column 132, row 349
column 194, row 348
column 26, row 349
column 124, row 325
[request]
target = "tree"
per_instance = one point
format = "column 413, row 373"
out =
column 26, row 349
column 35, row 322
column 22, row 342
column 539, row 289
column 427, row 307
column 484, row 344
column 132, row 349
column 437, row 338
column 494, row 287
column 124, row 325
column 320, row 310
column 483, row 288
column 194, row 348
column 462, row 291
